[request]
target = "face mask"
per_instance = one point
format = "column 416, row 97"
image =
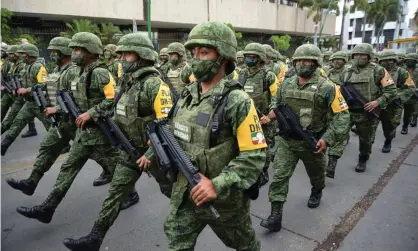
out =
column 240, row 61
column 173, row 59
column 129, row 66
column 338, row 64
column 3, row 54
column 12, row 58
column 305, row 71
column 411, row 64
column 204, row 70
column 360, row 62
column 55, row 57
column 107, row 55
column 388, row 65
column 250, row 61
column 23, row 58
column 77, row 59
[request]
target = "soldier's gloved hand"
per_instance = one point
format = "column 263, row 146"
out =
column 204, row 191
column 321, row 146
column 264, row 178
column 371, row 106
column 50, row 111
column 143, row 163
column 82, row 120
column 21, row 91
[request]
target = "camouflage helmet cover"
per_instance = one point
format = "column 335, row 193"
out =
column 411, row 56
column 163, row 52
column 30, row 49
column 401, row 55
column 308, row 51
column 327, row 54
column 88, row 41
column 388, row 55
column 339, row 55
column 111, row 48
column 60, row 44
column 13, row 48
column 256, row 49
column 240, row 54
column 138, row 43
column 363, row 48
column 269, row 51
column 176, row 47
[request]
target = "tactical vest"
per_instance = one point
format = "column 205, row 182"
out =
column 175, row 78
column 308, row 104
column 29, row 80
column 334, row 76
column 132, row 115
column 86, row 95
column 257, row 88
column 364, row 82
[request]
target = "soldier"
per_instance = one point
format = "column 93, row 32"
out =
column 163, row 63
column 240, row 61
column 411, row 106
column 7, row 99
column 401, row 57
column 270, row 54
column 326, row 65
column 261, row 85
column 281, row 68
column 374, row 83
column 112, row 61
column 151, row 101
column 239, row 158
column 391, row 115
column 94, row 92
column 322, row 110
column 177, row 63
column 33, row 74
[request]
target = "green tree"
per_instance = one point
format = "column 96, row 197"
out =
column 281, row 43
column 330, row 43
column 81, row 25
column 6, row 35
column 107, row 33
column 30, row 38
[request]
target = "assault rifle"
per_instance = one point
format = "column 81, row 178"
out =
column 290, row 126
column 7, row 84
column 351, row 96
column 171, row 155
column 40, row 100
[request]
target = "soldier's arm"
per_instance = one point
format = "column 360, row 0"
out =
column 408, row 89
column 385, row 81
column 339, row 116
column 278, row 98
column 272, row 83
column 106, row 83
column 243, row 170
column 40, row 76
column 159, row 97
column 185, row 74
column 67, row 77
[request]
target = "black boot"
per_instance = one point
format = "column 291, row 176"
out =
column 5, row 144
column 264, row 177
column 27, row 186
column 362, row 163
column 66, row 149
column 41, row 213
column 404, row 129
column 274, row 221
column 103, row 179
column 413, row 121
column 90, row 242
column 32, row 130
column 315, row 198
column 354, row 130
column 332, row 163
column 132, row 199
column 387, row 146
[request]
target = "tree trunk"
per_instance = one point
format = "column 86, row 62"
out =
column 316, row 34
column 363, row 35
column 342, row 28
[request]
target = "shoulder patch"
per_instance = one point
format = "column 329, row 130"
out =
column 42, row 75
column 162, row 102
column 338, row 104
column 387, row 79
column 409, row 81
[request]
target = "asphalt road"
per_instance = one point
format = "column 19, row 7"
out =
column 358, row 211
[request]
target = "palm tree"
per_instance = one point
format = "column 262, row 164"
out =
column 315, row 11
column 358, row 4
column 81, row 25
column 107, row 33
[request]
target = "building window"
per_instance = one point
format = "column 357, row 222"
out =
column 349, row 47
column 350, row 35
column 400, row 33
column 351, row 22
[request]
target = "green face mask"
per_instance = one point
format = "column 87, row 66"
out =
column 411, row 64
column 77, row 59
column 204, row 70
column 129, row 66
column 12, row 58
column 173, row 59
column 55, row 57
column 305, row 71
column 107, row 55
column 360, row 62
column 338, row 64
column 23, row 58
column 388, row 65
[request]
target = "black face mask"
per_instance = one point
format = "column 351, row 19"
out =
column 411, row 64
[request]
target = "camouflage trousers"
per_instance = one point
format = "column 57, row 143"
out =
column 28, row 112
column 269, row 131
column 366, row 129
column 6, row 102
column 338, row 147
column 50, row 149
column 408, row 113
column 234, row 227
column 284, row 165
column 391, row 118
column 14, row 110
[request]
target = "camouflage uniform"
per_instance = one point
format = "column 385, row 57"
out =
column 374, row 83
column 411, row 106
column 96, row 100
column 321, row 108
column 240, row 61
column 176, row 67
column 233, row 162
column 163, row 64
column 261, row 85
column 391, row 115
column 144, row 97
column 7, row 69
column 401, row 57
column 33, row 74
column 113, row 65
column 326, row 60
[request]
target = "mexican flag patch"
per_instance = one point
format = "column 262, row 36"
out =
column 258, row 138
column 165, row 110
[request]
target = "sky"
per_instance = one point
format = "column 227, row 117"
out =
column 412, row 7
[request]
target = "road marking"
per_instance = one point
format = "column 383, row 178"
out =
column 20, row 166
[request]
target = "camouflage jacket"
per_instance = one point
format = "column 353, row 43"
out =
column 414, row 75
column 403, row 82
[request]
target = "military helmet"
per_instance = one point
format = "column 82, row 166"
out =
column 12, row 48
column 363, row 48
column 339, row 55
column 411, row 56
column 176, row 47
column 138, row 43
column 269, row 51
column 163, row 52
column 60, row 44
column 111, row 48
column 388, row 55
column 401, row 55
column 217, row 35
column 256, row 49
column 327, row 54
column 240, row 54
column 4, row 47
column 88, row 41
column 308, row 51
column 30, row 49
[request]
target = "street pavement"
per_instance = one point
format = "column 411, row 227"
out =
column 391, row 222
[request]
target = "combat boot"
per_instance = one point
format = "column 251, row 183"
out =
column 27, row 186
column 413, row 121
column 5, row 144
column 362, row 163
column 66, row 149
column 315, row 198
column 132, row 199
column 332, row 163
column 387, row 146
column 103, row 179
column 41, row 213
column 274, row 221
column 31, row 132
column 404, row 129
column 90, row 242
